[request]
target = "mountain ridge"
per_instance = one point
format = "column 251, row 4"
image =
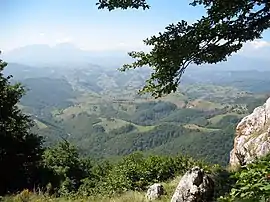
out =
column 66, row 53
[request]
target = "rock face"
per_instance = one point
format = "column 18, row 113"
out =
column 195, row 186
column 252, row 137
column 155, row 192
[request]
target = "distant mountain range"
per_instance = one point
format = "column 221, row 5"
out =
column 98, row 109
column 62, row 55
column 67, row 54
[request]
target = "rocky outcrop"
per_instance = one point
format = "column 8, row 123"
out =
column 252, row 139
column 194, row 186
column 155, row 192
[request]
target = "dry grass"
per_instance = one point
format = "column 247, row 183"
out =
column 217, row 118
column 27, row 196
column 127, row 197
column 196, row 127
column 109, row 125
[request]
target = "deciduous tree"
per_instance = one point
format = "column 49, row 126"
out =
column 225, row 28
column 20, row 150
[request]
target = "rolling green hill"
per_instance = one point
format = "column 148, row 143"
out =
column 100, row 111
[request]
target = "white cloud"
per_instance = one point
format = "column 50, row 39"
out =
column 259, row 44
column 66, row 39
column 113, row 43
column 122, row 44
column 257, row 48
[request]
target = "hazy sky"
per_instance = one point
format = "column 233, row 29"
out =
column 26, row 22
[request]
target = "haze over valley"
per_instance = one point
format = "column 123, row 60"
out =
column 138, row 101
column 76, row 96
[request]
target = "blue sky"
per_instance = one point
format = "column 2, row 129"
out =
column 26, row 22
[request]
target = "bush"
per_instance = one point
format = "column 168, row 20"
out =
column 252, row 182
column 67, row 174
column 63, row 160
column 136, row 172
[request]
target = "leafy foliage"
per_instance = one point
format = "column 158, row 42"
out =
column 113, row 4
column 192, row 123
column 252, row 182
column 64, row 161
column 20, row 150
column 212, row 39
column 72, row 174
column 137, row 171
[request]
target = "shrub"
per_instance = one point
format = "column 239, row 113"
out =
column 136, row 172
column 252, row 182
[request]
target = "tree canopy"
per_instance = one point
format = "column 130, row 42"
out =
column 227, row 25
column 20, row 150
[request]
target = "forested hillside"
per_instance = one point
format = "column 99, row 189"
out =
column 73, row 128
column 105, row 142
column 100, row 111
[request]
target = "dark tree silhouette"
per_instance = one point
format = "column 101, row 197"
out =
column 20, row 150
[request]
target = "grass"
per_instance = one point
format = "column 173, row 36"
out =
column 87, row 97
column 214, row 90
column 205, row 105
column 27, row 196
column 76, row 110
column 144, row 128
column 109, row 125
column 196, row 127
column 126, row 197
column 216, row 119
column 176, row 98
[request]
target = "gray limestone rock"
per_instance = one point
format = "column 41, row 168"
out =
column 194, row 186
column 155, row 191
column 252, row 138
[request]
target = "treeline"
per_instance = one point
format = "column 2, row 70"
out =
column 61, row 171
column 165, row 135
column 153, row 127
column 212, row 144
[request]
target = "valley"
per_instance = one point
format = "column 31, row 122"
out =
column 98, row 109
column 138, row 100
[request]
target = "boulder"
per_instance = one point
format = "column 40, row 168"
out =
column 252, row 138
column 155, row 191
column 194, row 186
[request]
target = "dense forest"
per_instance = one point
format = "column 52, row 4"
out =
column 107, row 121
column 93, row 144
column 85, row 134
column 86, row 140
column 106, row 124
